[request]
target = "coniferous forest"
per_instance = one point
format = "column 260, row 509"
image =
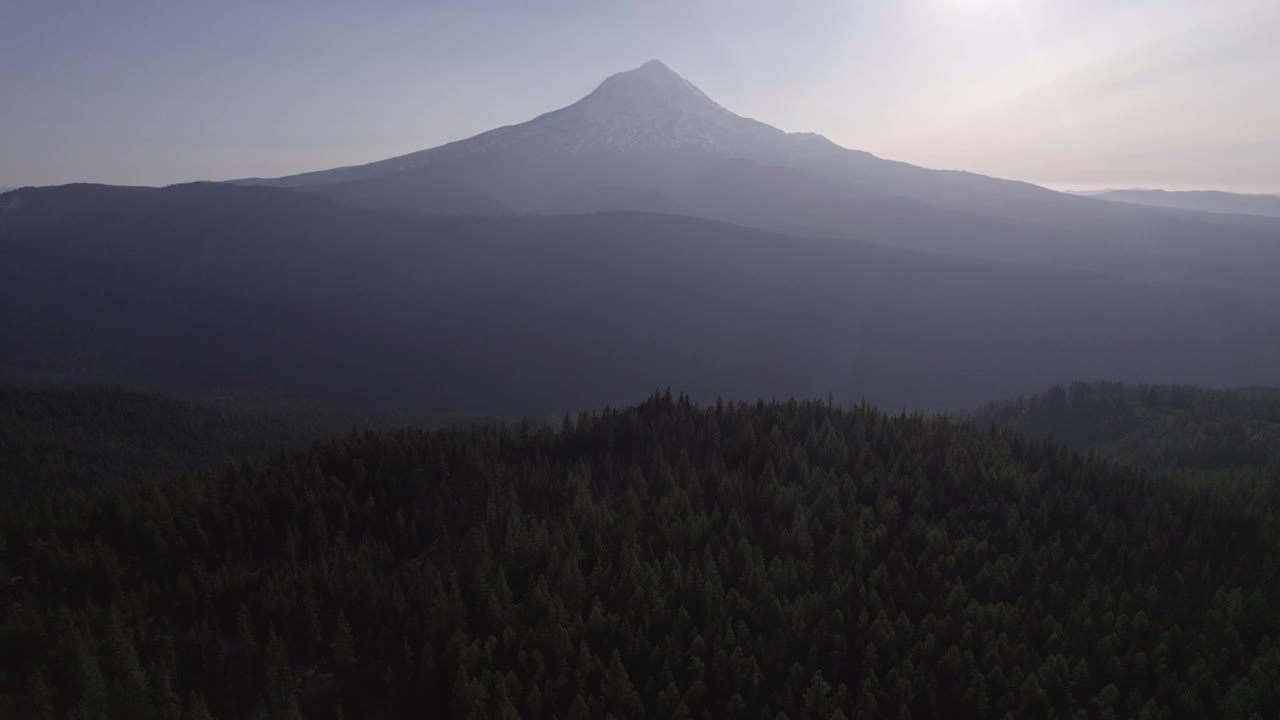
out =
column 668, row 560
column 1186, row 430
column 53, row 438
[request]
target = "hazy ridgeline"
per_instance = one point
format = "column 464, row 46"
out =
column 642, row 237
column 291, row 299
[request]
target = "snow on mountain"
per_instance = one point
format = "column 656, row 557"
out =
column 645, row 109
column 648, row 140
column 652, row 106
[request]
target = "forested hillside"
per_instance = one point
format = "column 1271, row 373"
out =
column 1154, row 425
column 668, row 561
column 54, row 437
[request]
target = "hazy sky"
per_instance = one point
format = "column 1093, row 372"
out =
column 1068, row 93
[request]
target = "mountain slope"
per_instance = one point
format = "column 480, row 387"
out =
column 1198, row 201
column 655, row 142
column 645, row 110
column 292, row 298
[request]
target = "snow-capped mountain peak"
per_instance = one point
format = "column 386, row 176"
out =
column 643, row 110
column 652, row 107
column 648, row 88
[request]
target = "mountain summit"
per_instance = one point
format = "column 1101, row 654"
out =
column 649, row 140
column 649, row 108
column 652, row 98
column 651, row 83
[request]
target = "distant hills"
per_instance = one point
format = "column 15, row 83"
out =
column 295, row 298
column 1211, row 201
column 642, row 237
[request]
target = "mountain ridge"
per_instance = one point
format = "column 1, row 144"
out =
column 289, row 298
column 642, row 93
column 648, row 140
column 1204, row 201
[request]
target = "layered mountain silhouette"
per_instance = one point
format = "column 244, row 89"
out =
column 649, row 140
column 275, row 295
column 1212, row 201
column 643, row 237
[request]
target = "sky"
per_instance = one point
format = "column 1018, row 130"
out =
column 1071, row 94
